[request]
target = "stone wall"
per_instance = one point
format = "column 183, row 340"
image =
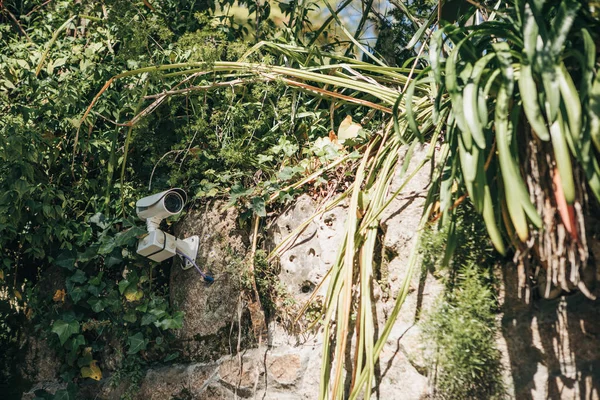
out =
column 288, row 366
column 210, row 310
column 551, row 349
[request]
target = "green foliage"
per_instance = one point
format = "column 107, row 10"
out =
column 67, row 244
column 509, row 99
column 65, row 330
column 65, row 233
column 136, row 343
column 131, row 373
column 445, row 254
column 464, row 362
column 11, row 321
column 395, row 42
column 109, row 307
column 274, row 298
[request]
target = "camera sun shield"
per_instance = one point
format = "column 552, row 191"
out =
column 161, row 205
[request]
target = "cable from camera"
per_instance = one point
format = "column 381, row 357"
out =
column 206, row 277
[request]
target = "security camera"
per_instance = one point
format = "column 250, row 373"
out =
column 159, row 206
column 158, row 245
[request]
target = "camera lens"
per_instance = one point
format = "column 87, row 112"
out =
column 173, row 202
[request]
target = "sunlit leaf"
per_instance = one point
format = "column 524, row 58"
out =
column 92, row 372
column 59, row 295
column 133, row 294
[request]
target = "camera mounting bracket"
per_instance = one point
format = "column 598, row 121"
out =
column 189, row 247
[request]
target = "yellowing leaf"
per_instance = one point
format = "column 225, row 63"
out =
column 348, row 129
column 59, row 295
column 18, row 294
column 93, row 371
column 1, row 275
column 132, row 294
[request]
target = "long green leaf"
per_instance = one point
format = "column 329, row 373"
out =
column 529, row 98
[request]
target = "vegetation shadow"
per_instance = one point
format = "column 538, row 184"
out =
column 552, row 345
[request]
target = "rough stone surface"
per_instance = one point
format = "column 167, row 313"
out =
column 402, row 361
column 165, row 383
column 285, row 369
column 40, row 361
column 400, row 223
column 313, row 250
column 551, row 347
column 240, row 375
column 209, row 310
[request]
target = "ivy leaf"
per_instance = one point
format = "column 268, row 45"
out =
column 123, row 285
column 142, row 307
column 113, row 259
column 113, row 301
column 77, row 341
column 96, row 285
column 66, row 259
column 173, row 322
column 97, row 304
column 89, row 253
column 158, row 313
column 258, row 206
column 65, row 330
column 128, row 237
column 107, row 245
column 238, row 191
column 169, row 323
column 97, row 279
column 130, row 317
column 132, row 294
column 78, row 277
column 286, row 173
column 147, row 319
column 136, row 343
column 76, row 292
column 171, row 357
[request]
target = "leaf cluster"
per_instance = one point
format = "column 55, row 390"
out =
column 67, row 244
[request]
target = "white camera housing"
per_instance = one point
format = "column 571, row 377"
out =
column 158, row 245
column 159, row 206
